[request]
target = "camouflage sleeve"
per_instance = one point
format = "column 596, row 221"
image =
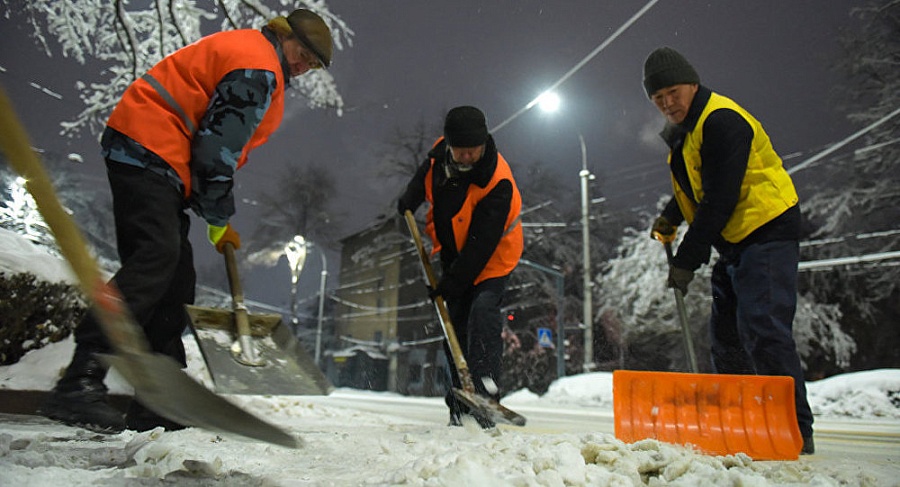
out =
column 235, row 110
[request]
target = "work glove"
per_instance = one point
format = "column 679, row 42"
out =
column 448, row 288
column 403, row 204
column 663, row 230
column 679, row 279
column 219, row 236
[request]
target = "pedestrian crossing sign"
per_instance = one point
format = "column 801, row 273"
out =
column 545, row 337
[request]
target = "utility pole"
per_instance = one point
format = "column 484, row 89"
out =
column 586, row 259
column 322, row 280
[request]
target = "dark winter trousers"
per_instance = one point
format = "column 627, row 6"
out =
column 478, row 324
column 157, row 275
column 754, row 294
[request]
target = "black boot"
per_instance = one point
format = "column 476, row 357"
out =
column 139, row 418
column 809, row 446
column 79, row 398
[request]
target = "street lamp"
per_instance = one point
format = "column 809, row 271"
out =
column 296, row 251
column 587, row 282
column 549, row 101
column 322, row 279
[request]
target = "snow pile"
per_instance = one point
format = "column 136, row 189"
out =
column 867, row 394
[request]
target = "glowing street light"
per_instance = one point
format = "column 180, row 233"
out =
column 549, row 101
column 296, row 251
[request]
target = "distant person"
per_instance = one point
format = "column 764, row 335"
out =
column 473, row 221
column 733, row 191
column 173, row 142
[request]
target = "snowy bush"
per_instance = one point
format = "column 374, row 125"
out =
column 34, row 313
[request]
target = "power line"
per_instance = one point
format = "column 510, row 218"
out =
column 580, row 64
column 842, row 143
column 856, row 259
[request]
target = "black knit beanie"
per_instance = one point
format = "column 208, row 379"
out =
column 465, row 127
column 666, row 67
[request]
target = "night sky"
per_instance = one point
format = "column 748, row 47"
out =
column 413, row 60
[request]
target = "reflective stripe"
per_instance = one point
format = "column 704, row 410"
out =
column 513, row 225
column 170, row 100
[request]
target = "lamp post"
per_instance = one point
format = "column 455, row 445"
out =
column 323, row 278
column 587, row 282
column 549, row 101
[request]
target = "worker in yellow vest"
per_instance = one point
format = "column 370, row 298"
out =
column 732, row 190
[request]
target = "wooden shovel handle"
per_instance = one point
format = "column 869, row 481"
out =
column 241, row 318
column 462, row 367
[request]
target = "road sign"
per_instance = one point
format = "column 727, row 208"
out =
column 545, row 337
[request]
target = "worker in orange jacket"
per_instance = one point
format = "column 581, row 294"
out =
column 173, row 142
column 474, row 223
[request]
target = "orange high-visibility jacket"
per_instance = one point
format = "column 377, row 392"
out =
column 509, row 250
column 163, row 109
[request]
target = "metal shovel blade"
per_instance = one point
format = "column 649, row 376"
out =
column 719, row 414
column 283, row 367
column 488, row 408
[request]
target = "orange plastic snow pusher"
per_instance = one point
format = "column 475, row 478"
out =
column 719, row 414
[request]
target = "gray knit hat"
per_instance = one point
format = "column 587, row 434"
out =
column 666, row 67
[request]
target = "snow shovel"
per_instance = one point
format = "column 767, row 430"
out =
column 158, row 381
column 481, row 405
column 682, row 315
column 252, row 354
column 719, row 414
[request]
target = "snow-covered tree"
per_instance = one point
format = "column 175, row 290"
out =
column 124, row 39
column 638, row 309
column 296, row 204
column 19, row 212
column 856, row 209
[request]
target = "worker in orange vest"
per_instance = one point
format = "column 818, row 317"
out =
column 173, row 142
column 473, row 221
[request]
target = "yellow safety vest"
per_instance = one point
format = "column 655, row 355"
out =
column 766, row 191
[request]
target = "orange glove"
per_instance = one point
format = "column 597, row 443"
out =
column 663, row 230
column 219, row 236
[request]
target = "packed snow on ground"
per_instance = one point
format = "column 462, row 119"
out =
column 349, row 446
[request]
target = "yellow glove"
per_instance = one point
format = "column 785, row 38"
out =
column 663, row 230
column 219, row 236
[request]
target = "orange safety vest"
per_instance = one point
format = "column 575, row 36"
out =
column 163, row 109
column 509, row 250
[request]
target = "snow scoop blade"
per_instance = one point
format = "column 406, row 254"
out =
column 488, row 408
column 285, row 368
column 158, row 381
column 716, row 413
